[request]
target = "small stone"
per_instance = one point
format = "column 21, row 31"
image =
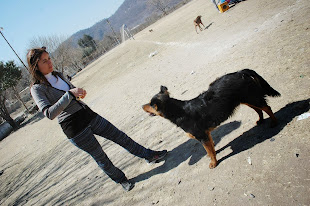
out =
column 272, row 139
column 249, row 160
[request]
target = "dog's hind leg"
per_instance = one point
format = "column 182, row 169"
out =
column 208, row 144
column 259, row 112
column 195, row 24
column 266, row 109
column 274, row 120
column 196, row 29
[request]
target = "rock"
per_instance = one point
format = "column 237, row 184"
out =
column 250, row 195
column 249, row 160
column 153, row 54
column 211, row 188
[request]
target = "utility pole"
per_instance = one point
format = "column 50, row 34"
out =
column 113, row 31
column 14, row 88
column 1, row 28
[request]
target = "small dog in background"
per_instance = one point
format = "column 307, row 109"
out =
column 197, row 23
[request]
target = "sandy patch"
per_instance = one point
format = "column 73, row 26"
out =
column 42, row 168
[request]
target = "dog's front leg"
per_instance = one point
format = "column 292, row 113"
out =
column 196, row 29
column 208, row 144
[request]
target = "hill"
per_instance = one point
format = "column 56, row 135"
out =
column 131, row 12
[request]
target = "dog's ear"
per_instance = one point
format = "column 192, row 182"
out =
column 163, row 89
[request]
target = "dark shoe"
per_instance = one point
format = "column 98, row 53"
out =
column 127, row 185
column 159, row 155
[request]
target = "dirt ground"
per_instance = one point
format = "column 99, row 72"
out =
column 41, row 167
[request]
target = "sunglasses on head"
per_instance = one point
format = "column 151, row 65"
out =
column 35, row 53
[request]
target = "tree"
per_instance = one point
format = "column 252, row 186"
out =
column 160, row 5
column 87, row 41
column 88, row 44
column 9, row 76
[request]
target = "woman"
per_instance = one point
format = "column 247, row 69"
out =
column 57, row 97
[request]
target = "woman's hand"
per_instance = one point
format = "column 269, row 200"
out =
column 79, row 93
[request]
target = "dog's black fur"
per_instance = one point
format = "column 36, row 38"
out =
column 199, row 116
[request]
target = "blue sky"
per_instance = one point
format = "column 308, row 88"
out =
column 24, row 20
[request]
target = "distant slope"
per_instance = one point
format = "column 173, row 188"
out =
column 131, row 13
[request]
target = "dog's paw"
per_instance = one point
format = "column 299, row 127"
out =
column 260, row 121
column 212, row 165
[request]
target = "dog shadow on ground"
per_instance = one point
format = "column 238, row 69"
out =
column 193, row 149
column 207, row 27
column 190, row 149
column 260, row 133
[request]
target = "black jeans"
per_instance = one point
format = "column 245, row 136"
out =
column 86, row 141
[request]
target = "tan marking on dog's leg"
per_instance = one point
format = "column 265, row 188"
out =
column 209, row 147
column 274, row 120
column 191, row 136
column 259, row 112
column 268, row 110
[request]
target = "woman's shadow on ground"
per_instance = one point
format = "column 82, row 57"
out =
column 192, row 149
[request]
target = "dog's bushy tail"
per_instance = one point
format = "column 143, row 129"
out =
column 269, row 91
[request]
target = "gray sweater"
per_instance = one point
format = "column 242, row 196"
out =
column 54, row 102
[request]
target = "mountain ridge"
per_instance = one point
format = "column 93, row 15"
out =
column 131, row 12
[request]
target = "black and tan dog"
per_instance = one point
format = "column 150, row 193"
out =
column 199, row 116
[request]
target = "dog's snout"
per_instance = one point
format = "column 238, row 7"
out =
column 143, row 106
